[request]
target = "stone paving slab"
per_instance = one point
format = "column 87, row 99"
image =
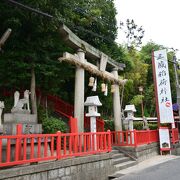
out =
column 148, row 163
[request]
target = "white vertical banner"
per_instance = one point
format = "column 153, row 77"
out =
column 162, row 84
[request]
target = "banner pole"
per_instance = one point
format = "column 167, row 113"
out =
column 155, row 89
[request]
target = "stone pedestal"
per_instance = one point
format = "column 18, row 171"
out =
column 29, row 126
column 28, row 122
column 10, row 129
column 19, row 118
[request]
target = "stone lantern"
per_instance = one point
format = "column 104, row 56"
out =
column 128, row 122
column 92, row 102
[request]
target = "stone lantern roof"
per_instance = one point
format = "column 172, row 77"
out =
column 130, row 108
column 92, row 101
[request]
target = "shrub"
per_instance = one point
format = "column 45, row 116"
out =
column 153, row 126
column 138, row 125
column 51, row 125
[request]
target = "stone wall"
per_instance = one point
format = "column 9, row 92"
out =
column 78, row 168
column 141, row 153
column 176, row 149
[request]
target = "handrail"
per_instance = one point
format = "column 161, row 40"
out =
column 128, row 154
column 67, row 110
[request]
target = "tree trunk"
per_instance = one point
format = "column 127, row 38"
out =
column 33, row 92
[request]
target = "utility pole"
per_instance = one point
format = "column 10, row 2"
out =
column 142, row 106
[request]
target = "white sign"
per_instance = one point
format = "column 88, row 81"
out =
column 163, row 90
column 164, row 139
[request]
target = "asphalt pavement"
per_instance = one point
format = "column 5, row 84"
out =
column 166, row 167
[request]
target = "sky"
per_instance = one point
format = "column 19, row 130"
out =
column 159, row 18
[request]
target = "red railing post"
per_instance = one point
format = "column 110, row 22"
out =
column 18, row 142
column 177, row 134
column 135, row 138
column 58, row 145
column 173, row 137
column 76, row 143
column 149, row 136
column 109, row 141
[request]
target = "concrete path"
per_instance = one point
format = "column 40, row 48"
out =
column 140, row 170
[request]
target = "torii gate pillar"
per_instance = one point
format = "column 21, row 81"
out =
column 79, row 93
column 116, row 104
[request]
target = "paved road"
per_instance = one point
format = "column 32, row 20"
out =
column 169, row 170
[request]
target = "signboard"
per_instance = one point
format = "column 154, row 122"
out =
column 164, row 139
column 162, row 84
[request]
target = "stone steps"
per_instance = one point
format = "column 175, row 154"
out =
column 120, row 161
column 116, row 156
column 115, row 151
column 125, row 165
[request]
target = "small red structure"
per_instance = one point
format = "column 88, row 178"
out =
column 73, row 125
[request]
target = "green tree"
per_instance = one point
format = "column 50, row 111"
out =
column 134, row 33
column 31, row 53
column 92, row 20
column 32, row 50
column 136, row 76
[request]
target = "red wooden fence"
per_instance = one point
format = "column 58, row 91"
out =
column 146, row 137
column 134, row 138
column 22, row 149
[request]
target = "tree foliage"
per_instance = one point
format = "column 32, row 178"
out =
column 35, row 43
column 92, row 20
column 141, row 74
